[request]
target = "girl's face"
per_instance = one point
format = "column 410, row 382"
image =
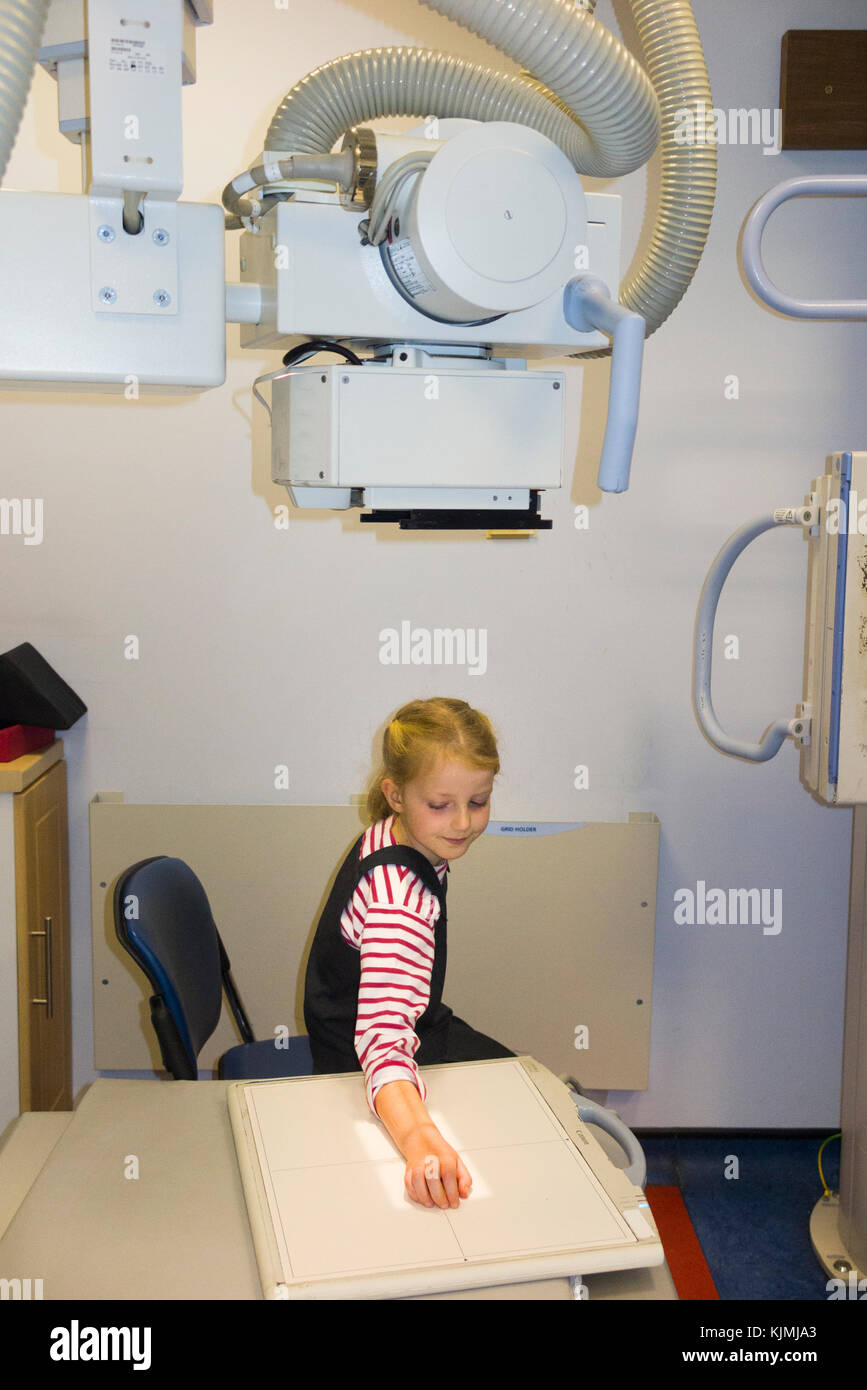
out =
column 442, row 811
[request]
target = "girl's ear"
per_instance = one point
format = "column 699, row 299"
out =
column 391, row 792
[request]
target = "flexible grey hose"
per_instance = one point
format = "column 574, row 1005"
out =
column 21, row 26
column 676, row 64
column 333, row 168
column 583, row 63
column 381, row 82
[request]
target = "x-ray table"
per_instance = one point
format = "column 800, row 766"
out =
column 331, row 1219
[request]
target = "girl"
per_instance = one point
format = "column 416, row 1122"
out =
column 373, row 991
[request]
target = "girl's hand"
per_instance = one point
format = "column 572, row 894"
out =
column 435, row 1174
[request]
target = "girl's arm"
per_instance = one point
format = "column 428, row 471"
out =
column 435, row 1173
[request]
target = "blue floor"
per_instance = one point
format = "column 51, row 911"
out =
column 754, row 1229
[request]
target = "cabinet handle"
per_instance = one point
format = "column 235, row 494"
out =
column 49, row 978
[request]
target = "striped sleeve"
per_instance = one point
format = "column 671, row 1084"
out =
column 396, row 941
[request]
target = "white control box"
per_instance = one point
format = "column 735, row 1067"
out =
column 482, row 434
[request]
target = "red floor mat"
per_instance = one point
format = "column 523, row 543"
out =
column 683, row 1254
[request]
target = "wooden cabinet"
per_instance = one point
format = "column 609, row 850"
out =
column 41, row 871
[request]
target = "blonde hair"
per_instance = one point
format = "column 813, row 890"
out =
column 423, row 732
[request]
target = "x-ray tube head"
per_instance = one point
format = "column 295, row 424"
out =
column 489, row 226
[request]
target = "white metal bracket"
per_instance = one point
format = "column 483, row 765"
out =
column 134, row 274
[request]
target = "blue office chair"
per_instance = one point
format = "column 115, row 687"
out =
column 163, row 919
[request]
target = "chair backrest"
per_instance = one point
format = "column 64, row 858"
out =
column 163, row 919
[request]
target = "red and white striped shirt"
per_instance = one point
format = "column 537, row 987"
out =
column 390, row 919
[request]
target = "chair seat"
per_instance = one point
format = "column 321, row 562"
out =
column 259, row 1060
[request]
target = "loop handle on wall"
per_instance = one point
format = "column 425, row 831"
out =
column 841, row 186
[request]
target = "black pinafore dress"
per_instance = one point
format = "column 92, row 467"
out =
column 334, row 975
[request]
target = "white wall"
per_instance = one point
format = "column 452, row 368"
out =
column 261, row 646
